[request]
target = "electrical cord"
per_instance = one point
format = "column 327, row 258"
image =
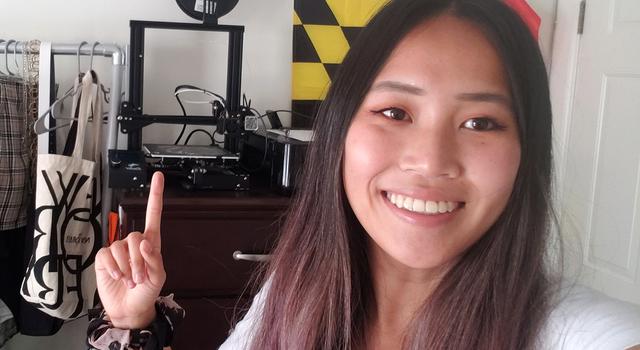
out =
column 253, row 110
column 185, row 88
column 213, row 141
column 184, row 126
column 246, row 104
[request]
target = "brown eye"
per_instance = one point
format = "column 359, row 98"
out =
column 482, row 124
column 394, row 113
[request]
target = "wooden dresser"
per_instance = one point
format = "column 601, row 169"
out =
column 200, row 233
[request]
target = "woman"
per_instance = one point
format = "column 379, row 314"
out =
column 423, row 220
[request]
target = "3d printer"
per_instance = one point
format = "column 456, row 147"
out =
column 209, row 167
column 219, row 166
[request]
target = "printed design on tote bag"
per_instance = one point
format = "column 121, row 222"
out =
column 60, row 279
column 63, row 255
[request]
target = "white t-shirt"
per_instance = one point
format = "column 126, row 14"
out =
column 586, row 319
column 582, row 319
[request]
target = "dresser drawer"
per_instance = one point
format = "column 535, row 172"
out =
column 198, row 254
column 201, row 232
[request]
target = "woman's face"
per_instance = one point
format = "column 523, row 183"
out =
column 432, row 153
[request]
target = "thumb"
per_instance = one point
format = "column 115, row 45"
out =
column 108, row 276
column 153, row 259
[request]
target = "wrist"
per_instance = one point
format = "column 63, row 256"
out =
column 141, row 321
column 151, row 330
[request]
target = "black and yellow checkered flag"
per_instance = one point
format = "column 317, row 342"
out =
column 323, row 31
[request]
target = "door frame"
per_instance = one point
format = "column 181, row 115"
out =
column 562, row 79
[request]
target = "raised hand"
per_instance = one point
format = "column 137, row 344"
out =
column 130, row 272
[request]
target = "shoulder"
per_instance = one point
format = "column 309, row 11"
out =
column 582, row 318
column 242, row 334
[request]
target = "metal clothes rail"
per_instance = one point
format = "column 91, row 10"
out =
column 118, row 59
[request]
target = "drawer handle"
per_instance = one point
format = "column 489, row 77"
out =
column 237, row 255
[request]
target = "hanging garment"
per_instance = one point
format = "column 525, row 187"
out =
column 18, row 111
column 60, row 278
column 14, row 167
column 33, row 52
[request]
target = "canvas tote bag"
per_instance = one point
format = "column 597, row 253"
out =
column 60, row 276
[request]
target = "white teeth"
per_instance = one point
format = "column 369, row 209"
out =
column 408, row 203
column 399, row 201
column 450, row 206
column 430, row 207
column 418, row 206
column 421, row 206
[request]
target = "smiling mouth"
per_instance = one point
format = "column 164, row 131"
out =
column 421, row 206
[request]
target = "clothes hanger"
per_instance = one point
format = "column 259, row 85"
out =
column 94, row 76
column 6, row 57
column 81, row 74
column 39, row 126
column 1, row 72
column 78, row 77
column 105, row 92
column 15, row 56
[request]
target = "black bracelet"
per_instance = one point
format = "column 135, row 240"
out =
column 102, row 335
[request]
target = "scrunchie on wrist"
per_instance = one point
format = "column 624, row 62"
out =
column 101, row 334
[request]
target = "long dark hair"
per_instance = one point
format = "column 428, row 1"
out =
column 496, row 296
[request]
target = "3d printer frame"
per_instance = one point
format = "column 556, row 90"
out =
column 132, row 119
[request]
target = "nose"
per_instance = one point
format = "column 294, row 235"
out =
column 431, row 152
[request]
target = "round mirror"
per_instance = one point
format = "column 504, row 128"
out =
column 194, row 8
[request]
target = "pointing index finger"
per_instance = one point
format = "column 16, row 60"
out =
column 154, row 210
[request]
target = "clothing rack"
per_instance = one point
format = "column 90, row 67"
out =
column 118, row 59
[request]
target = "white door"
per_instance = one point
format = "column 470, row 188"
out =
column 601, row 196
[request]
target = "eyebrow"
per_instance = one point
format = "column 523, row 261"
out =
column 398, row 86
column 389, row 85
column 485, row 97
